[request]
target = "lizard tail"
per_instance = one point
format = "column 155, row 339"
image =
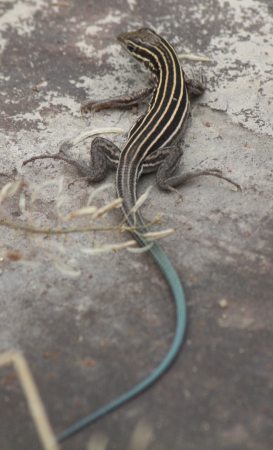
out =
column 175, row 285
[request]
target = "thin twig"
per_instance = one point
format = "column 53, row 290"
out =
column 53, row 231
column 192, row 57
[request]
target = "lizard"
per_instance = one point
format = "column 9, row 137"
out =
column 153, row 145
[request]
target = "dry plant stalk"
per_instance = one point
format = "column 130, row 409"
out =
column 10, row 189
column 91, row 211
column 34, row 401
column 98, row 442
column 88, row 132
column 142, row 436
column 193, row 57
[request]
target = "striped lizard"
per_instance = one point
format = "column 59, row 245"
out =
column 153, row 145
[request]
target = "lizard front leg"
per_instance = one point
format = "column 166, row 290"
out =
column 122, row 101
column 103, row 155
column 196, row 82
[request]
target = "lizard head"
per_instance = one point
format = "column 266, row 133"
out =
column 142, row 44
column 144, row 37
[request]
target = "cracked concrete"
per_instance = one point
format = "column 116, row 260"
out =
column 91, row 326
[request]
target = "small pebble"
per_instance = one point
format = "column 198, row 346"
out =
column 223, row 303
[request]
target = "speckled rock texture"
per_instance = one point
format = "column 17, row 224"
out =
column 91, row 326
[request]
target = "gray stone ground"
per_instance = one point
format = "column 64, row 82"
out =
column 91, row 326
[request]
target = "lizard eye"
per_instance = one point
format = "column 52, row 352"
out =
column 130, row 47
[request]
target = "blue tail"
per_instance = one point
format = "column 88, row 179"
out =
column 173, row 280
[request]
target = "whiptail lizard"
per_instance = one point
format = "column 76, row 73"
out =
column 153, row 145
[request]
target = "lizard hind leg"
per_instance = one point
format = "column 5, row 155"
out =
column 166, row 179
column 104, row 154
column 167, row 168
column 178, row 180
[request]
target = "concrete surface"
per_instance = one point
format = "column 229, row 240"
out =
column 91, row 326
